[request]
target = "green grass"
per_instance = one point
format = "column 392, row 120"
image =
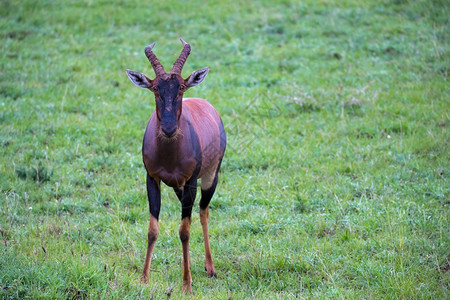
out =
column 335, row 183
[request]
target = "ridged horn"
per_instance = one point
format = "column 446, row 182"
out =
column 157, row 67
column 178, row 65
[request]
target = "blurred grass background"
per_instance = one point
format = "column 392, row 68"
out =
column 334, row 183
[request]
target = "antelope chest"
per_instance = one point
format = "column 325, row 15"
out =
column 173, row 170
column 173, row 178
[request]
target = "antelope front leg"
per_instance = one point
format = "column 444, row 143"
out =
column 154, row 201
column 152, row 236
column 184, row 232
column 187, row 201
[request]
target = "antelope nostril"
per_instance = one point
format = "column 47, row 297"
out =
column 169, row 132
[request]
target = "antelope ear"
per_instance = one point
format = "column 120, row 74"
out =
column 139, row 79
column 196, row 77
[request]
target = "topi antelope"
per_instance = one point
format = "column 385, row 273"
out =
column 184, row 141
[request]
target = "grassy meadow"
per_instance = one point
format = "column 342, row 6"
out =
column 335, row 182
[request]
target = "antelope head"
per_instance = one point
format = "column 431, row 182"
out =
column 168, row 88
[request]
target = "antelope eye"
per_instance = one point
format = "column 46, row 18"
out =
column 182, row 87
column 154, row 88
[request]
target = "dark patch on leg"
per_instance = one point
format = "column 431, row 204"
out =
column 154, row 196
column 188, row 198
column 179, row 193
column 208, row 194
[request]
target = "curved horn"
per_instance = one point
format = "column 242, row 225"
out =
column 178, row 65
column 157, row 67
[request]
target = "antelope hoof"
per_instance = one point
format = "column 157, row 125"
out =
column 211, row 273
column 209, row 268
column 187, row 288
column 144, row 279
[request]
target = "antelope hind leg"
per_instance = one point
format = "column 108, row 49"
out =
column 208, row 188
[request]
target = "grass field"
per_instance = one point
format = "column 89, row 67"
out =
column 335, row 183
